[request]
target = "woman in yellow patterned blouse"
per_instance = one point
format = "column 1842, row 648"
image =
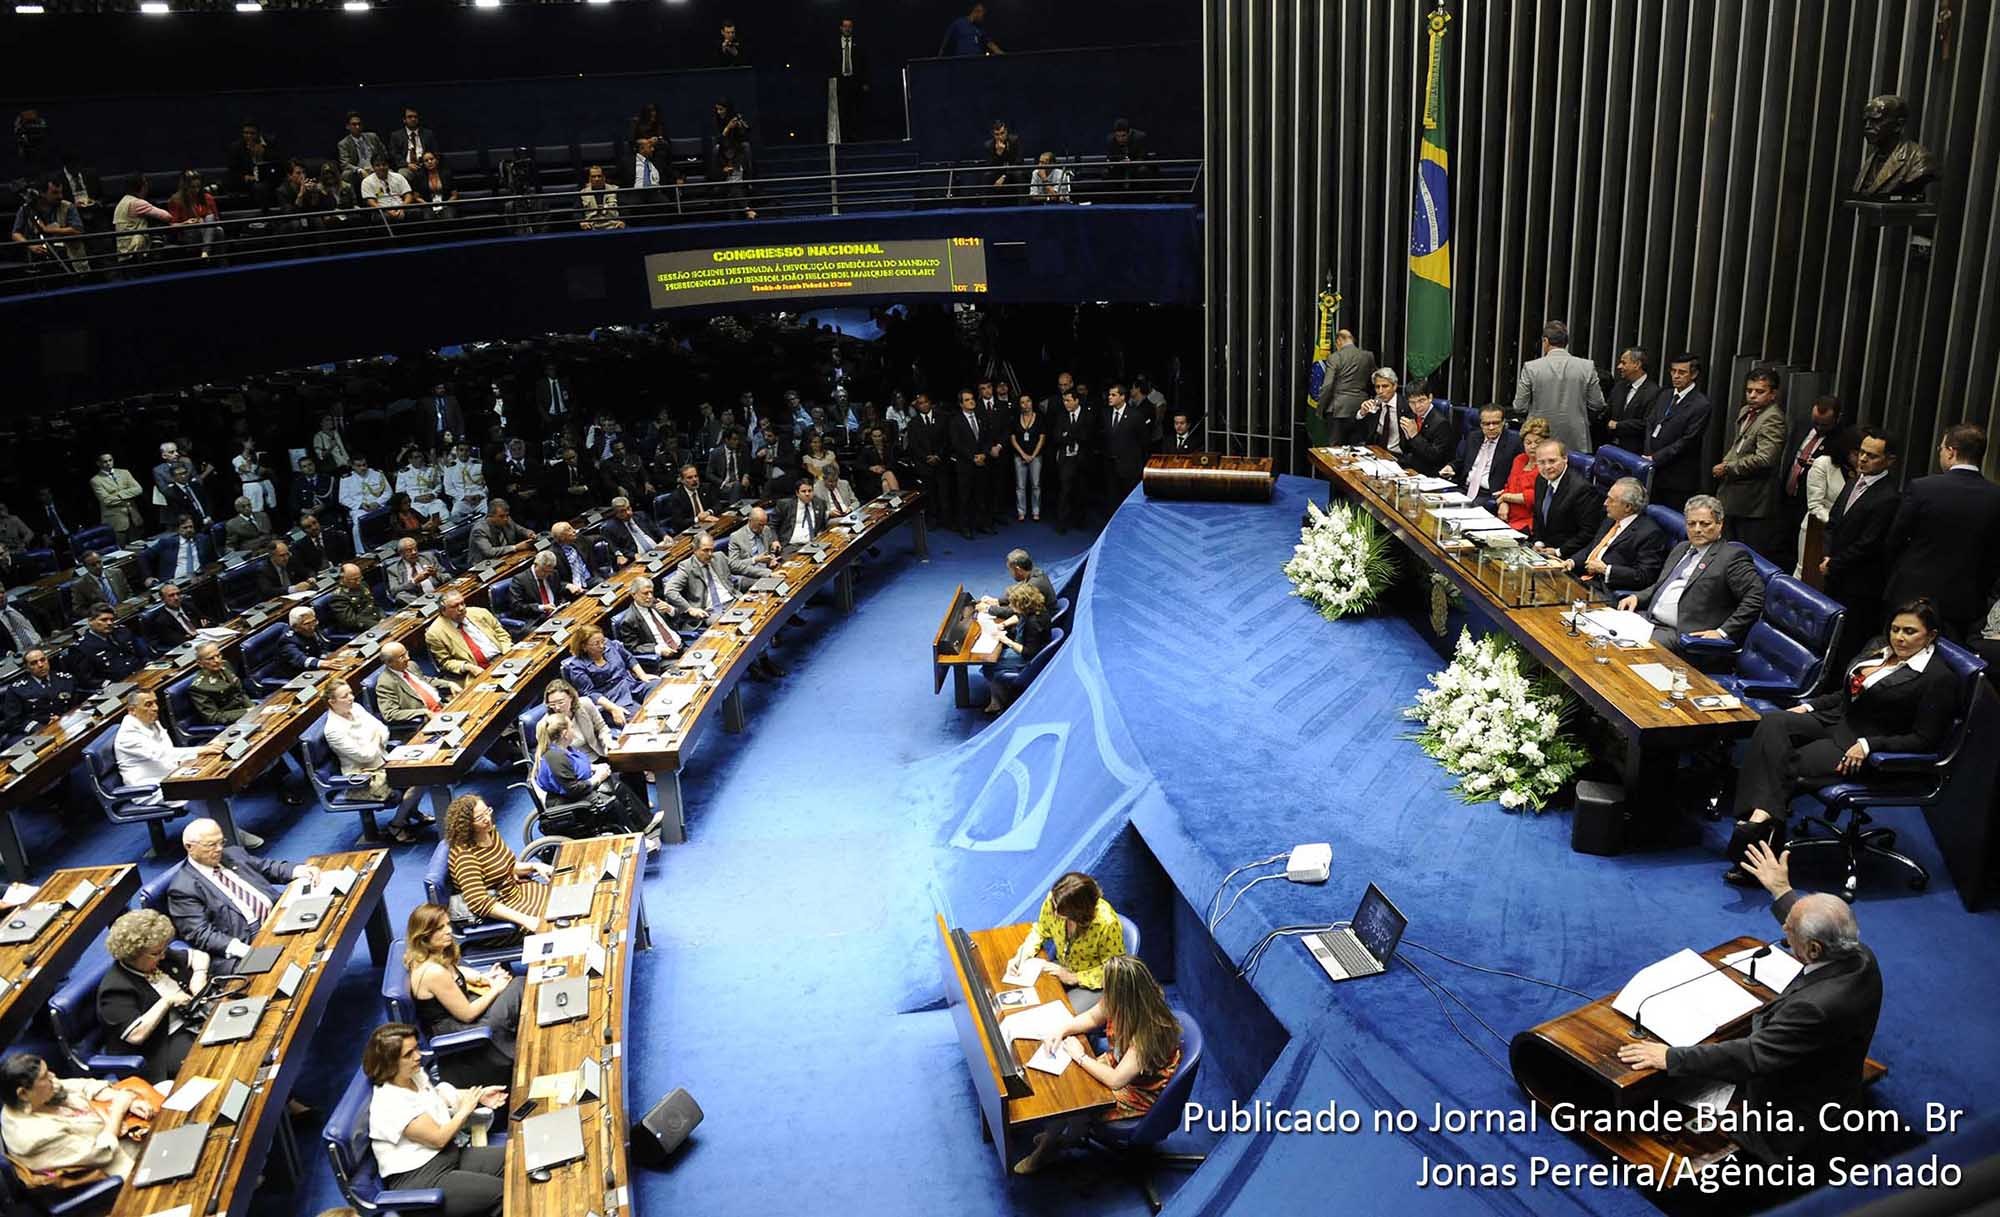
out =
column 1086, row 932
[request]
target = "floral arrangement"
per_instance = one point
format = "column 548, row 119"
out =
column 1341, row 565
column 1496, row 726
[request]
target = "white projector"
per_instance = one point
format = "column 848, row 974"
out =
column 1310, row 863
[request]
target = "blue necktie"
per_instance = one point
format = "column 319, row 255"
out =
column 576, row 566
column 188, row 563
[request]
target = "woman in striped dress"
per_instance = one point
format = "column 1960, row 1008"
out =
column 495, row 883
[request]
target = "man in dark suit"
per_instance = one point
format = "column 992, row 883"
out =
column 302, row 645
column 1567, row 506
column 107, row 651
column 570, row 483
column 537, row 592
column 441, row 414
column 1379, row 419
column 95, row 583
column 971, row 440
column 690, row 503
column 1344, row 388
column 1946, row 535
column 1180, row 435
column 1676, row 427
column 1854, row 568
column 175, row 621
column 184, row 497
column 730, row 469
column 1485, row 457
column 644, row 628
column 552, row 397
column 632, row 534
column 1632, row 398
column 313, row 550
column 929, row 449
column 40, row 694
column 848, row 65
column 1072, row 443
column 222, row 895
column 19, row 633
column 1709, row 588
column 407, row 145
column 181, row 554
column 1629, row 550
column 278, row 572
column 1428, row 433
column 1125, row 444
column 798, row 519
column 1807, row 1047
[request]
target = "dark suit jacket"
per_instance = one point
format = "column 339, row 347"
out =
column 623, row 543
column 1084, row 434
column 1635, row 558
column 86, row 591
column 166, row 632
column 680, row 509
column 1905, row 711
column 785, row 516
column 1673, row 438
column 924, row 440
column 582, row 549
column 185, row 498
column 297, row 652
column 965, row 445
column 124, row 995
column 1724, row 590
column 208, row 920
column 1625, row 412
column 1946, row 538
column 28, row 701
column 1567, row 519
column 1505, row 449
column 1805, row 1049
column 1857, row 546
column 527, row 594
column 271, row 581
column 160, row 555
column 1126, row 440
column 636, row 637
column 311, row 556
column 105, row 658
column 1431, row 448
column 1375, row 427
column 399, row 145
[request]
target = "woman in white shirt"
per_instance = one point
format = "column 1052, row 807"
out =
column 359, row 742
column 414, row 1126
column 257, row 485
column 1826, row 478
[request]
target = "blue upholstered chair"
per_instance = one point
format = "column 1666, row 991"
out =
column 98, row 537
column 1671, row 522
column 1015, row 680
column 1136, row 1141
column 402, row 1008
column 260, row 652
column 373, row 527
column 1583, row 463
column 455, row 543
column 1610, row 463
column 239, row 587
column 483, row 942
column 34, row 563
column 338, row 792
column 123, row 804
column 1893, row 779
column 153, row 892
column 500, row 599
column 80, row 1037
column 1784, row 655
column 322, row 607
column 353, row 1160
column 1720, row 655
column 187, row 726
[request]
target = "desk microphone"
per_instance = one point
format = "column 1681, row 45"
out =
column 1638, row 1028
column 1756, row 955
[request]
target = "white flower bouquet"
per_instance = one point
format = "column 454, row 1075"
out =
column 1497, row 727
column 1341, row 565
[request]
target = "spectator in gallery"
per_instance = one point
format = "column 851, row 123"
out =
column 599, row 203
column 734, row 189
column 358, row 150
column 732, row 135
column 965, row 37
column 47, row 214
column 1049, row 183
column 647, row 124
column 731, row 53
column 431, row 182
column 1003, row 160
column 409, row 142
column 1125, row 154
column 134, row 215
column 386, row 190
column 256, row 478
column 247, row 158
column 193, row 204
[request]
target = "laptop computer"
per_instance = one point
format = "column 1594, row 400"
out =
column 170, row 1155
column 560, row 1001
column 1364, row 947
column 552, row 1138
column 233, row 1020
column 26, row 922
column 570, row 900
column 303, row 913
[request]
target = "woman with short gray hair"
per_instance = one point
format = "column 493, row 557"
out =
column 144, row 1000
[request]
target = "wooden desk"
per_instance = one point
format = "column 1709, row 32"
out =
column 656, row 739
column 32, row 970
column 489, row 709
column 956, row 660
column 1574, row 1059
column 618, row 920
column 1655, row 734
column 1014, row 1101
column 271, row 1060
column 280, row 720
column 1208, row 475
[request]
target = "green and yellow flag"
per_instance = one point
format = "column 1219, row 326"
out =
column 1427, row 322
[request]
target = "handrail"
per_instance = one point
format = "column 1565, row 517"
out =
column 275, row 234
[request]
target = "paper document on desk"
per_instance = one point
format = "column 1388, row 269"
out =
column 986, row 644
column 1658, row 675
column 556, row 944
column 1045, row 1021
column 558, row 1088
column 1050, row 1062
column 1023, row 972
column 1375, row 466
column 189, row 1093
column 1774, row 971
column 215, row 633
column 1634, row 627
column 17, row 893
column 1686, row 998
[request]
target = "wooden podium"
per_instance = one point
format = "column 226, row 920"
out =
column 1574, row 1059
column 1208, row 475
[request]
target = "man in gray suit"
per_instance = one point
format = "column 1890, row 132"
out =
column 705, row 584
column 1709, row 587
column 414, row 573
column 1345, row 387
column 498, row 534
column 1561, row 388
column 756, row 541
column 1746, row 478
column 96, row 583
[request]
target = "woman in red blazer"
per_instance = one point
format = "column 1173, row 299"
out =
column 1517, row 498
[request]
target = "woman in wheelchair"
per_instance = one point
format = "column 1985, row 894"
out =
column 584, row 798
column 452, row 997
column 1143, row 1049
column 1892, row 698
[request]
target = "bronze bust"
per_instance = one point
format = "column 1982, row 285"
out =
column 1892, row 165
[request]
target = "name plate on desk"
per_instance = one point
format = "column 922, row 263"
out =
column 732, row 616
column 414, row 752
column 746, row 627
column 237, row 750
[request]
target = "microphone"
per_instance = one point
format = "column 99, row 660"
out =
column 1638, row 1028
column 1756, row 955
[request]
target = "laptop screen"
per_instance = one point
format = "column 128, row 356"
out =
column 1378, row 925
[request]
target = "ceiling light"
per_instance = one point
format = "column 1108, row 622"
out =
column 29, row 10
column 249, row 6
column 155, row 8
column 355, row 6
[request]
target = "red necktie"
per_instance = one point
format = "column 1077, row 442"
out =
column 1804, row 461
column 478, row 656
column 544, row 585
column 423, row 690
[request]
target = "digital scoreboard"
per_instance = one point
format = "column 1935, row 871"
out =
column 937, row 266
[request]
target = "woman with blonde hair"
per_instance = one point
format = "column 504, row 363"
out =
column 144, row 999
column 1517, row 497
column 1022, row 637
column 1143, row 1051
column 584, row 790
column 452, row 997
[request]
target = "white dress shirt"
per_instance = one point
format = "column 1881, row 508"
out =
column 357, row 740
column 147, row 754
column 801, row 526
column 1667, row 605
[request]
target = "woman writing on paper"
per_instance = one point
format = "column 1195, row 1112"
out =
column 1086, row 932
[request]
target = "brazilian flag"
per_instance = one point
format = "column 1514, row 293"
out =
column 1427, row 324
